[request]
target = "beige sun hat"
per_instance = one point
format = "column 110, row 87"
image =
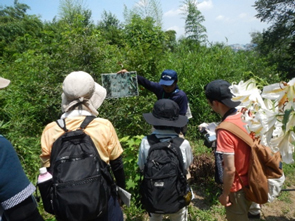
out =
column 80, row 88
column 4, row 82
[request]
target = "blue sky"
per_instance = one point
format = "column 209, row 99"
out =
column 227, row 21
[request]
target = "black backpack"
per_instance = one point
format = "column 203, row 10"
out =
column 82, row 183
column 164, row 182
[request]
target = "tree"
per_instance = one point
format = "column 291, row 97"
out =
column 69, row 10
column 145, row 42
column 171, row 39
column 150, row 8
column 111, row 28
column 18, row 11
column 145, row 9
column 279, row 39
column 14, row 23
column 194, row 30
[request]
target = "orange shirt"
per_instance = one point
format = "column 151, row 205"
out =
column 227, row 143
column 100, row 130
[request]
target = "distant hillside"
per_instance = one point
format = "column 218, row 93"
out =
column 246, row 47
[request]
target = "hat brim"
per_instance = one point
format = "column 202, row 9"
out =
column 4, row 82
column 166, row 82
column 98, row 96
column 230, row 103
column 180, row 122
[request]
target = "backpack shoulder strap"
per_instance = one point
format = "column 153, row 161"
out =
column 155, row 143
column 62, row 124
column 177, row 141
column 86, row 121
column 152, row 139
column 237, row 131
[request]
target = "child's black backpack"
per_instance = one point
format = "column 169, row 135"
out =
column 164, row 184
column 82, row 183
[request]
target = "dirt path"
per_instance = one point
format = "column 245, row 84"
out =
column 281, row 209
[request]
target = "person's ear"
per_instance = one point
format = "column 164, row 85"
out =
column 215, row 103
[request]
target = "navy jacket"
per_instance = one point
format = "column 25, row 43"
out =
column 178, row 95
column 14, row 184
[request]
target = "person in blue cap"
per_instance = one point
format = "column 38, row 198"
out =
column 167, row 88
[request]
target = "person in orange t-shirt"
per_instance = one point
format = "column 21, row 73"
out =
column 235, row 152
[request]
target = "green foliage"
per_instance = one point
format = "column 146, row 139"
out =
column 15, row 23
column 133, row 177
column 170, row 40
column 278, row 42
column 144, row 45
column 289, row 171
column 69, row 10
column 111, row 29
column 127, row 118
column 204, row 214
column 131, row 147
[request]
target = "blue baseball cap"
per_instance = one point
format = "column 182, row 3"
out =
column 168, row 77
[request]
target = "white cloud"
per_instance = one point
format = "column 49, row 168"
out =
column 201, row 6
column 205, row 5
column 243, row 15
column 175, row 28
column 172, row 13
column 222, row 18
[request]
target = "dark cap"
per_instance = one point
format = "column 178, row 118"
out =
column 165, row 113
column 168, row 77
column 219, row 90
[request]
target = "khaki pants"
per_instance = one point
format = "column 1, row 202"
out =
column 238, row 210
column 181, row 215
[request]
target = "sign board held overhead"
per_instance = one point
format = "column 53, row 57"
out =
column 120, row 85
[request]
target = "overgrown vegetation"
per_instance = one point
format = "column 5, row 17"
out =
column 37, row 55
